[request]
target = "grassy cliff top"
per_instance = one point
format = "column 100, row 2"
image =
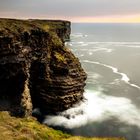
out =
column 52, row 24
column 14, row 26
column 12, row 128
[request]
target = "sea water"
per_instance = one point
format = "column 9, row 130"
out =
column 110, row 55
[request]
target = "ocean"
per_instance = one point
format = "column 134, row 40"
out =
column 110, row 55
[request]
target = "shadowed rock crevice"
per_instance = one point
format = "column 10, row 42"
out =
column 12, row 80
column 36, row 69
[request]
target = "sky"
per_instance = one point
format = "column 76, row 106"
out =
column 73, row 10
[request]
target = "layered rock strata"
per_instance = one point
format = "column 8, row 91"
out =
column 36, row 69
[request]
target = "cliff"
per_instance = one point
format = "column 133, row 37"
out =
column 36, row 69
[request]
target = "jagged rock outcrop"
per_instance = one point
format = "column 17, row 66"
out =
column 36, row 69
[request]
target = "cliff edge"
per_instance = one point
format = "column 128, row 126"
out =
column 36, row 69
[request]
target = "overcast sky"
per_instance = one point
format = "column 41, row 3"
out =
column 75, row 10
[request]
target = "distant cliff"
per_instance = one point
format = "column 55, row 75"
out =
column 36, row 69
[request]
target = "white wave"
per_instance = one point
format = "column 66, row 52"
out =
column 98, row 107
column 90, row 53
column 70, row 44
column 84, row 44
column 109, row 50
column 81, row 55
column 94, row 48
column 115, row 82
column 102, row 49
column 80, row 42
column 122, row 43
column 78, row 35
column 136, row 86
column 94, row 75
column 124, row 78
column 133, row 46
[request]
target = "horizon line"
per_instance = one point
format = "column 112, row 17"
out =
column 99, row 21
column 107, row 22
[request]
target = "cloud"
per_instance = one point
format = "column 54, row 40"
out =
column 71, row 8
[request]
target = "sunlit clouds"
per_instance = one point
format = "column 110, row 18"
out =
column 109, row 19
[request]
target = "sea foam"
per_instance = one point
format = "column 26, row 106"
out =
column 97, row 107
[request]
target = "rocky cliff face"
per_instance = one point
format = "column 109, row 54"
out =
column 36, row 69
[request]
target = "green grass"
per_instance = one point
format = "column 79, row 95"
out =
column 12, row 128
column 14, row 26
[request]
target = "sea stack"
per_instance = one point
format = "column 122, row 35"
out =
column 36, row 69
